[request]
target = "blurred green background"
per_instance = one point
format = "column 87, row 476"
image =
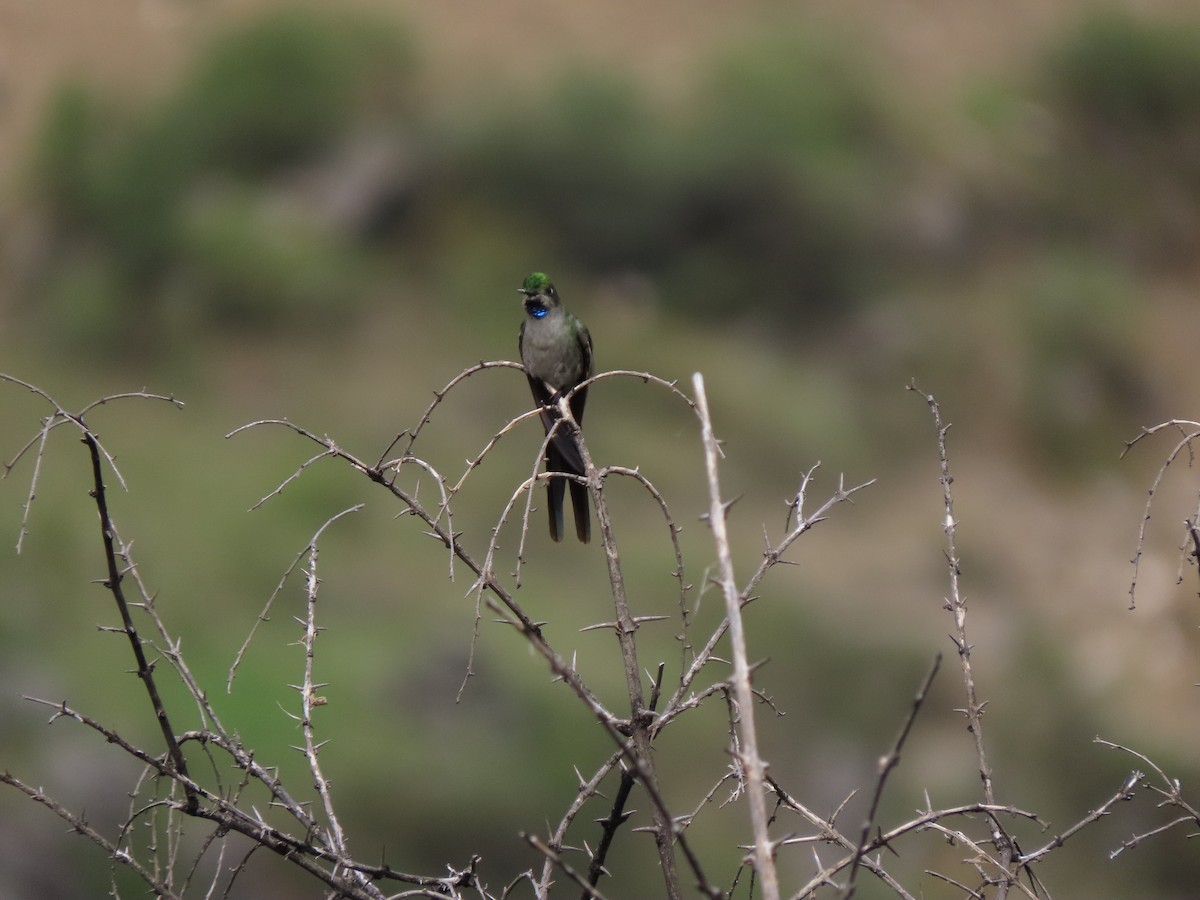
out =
column 273, row 211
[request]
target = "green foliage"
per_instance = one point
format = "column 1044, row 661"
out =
column 62, row 161
column 1125, row 93
column 773, row 194
column 582, row 170
column 1081, row 374
column 796, row 158
column 770, row 190
column 281, row 90
column 94, row 293
column 248, row 263
column 796, row 105
column 1120, row 73
column 123, row 192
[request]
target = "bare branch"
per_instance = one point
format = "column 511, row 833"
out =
column 589, row 890
column 640, row 716
column 309, row 700
column 958, row 609
column 771, row 557
column 61, row 416
column 886, row 765
column 1124, row 792
column 80, row 826
column 113, row 582
column 749, row 758
column 1190, row 431
column 1171, row 791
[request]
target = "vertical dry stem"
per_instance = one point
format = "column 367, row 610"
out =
column 751, row 763
column 958, row 608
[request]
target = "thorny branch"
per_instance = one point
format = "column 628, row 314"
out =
column 311, row 852
column 640, row 715
column 315, row 840
column 886, row 766
column 1189, row 432
column 749, row 759
column 957, row 606
column 113, row 583
column 80, row 826
column 1170, row 789
column 309, row 699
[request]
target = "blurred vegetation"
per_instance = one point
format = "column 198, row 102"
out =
column 768, row 201
column 179, row 205
column 778, row 192
column 765, row 201
column 796, row 222
column 1125, row 94
column 293, row 176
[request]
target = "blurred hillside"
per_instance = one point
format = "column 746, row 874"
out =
column 271, row 211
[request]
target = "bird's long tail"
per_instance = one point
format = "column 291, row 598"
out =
column 558, row 460
column 583, row 518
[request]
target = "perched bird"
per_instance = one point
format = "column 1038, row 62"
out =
column 556, row 351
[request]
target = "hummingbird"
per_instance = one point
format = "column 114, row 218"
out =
column 556, row 351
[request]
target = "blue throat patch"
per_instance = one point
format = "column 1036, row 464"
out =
column 538, row 311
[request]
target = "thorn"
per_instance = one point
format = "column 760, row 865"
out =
column 600, row 625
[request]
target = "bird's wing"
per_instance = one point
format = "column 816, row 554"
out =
column 541, row 392
column 579, row 398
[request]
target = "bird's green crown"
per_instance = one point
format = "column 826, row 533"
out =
column 535, row 283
